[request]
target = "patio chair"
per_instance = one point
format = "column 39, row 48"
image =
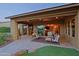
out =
column 48, row 39
column 56, row 39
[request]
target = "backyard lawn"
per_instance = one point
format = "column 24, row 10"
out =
column 53, row 51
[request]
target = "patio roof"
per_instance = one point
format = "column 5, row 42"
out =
column 45, row 10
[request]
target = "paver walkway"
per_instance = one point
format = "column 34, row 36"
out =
column 21, row 44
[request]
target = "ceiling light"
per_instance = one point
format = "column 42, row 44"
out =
column 56, row 17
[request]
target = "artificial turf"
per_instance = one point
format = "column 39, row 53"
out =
column 54, row 51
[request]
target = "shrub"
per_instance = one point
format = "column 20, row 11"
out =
column 2, row 39
column 4, row 29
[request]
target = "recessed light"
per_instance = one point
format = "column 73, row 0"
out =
column 56, row 17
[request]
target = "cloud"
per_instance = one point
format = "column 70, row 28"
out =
column 4, row 20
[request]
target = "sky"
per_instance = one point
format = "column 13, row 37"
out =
column 10, row 9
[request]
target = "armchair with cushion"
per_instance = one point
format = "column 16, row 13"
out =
column 56, row 39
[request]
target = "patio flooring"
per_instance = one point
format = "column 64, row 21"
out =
column 25, row 43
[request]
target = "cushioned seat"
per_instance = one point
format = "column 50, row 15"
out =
column 56, row 39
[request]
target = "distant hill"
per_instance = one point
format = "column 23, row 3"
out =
column 5, row 24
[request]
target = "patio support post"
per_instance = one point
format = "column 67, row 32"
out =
column 14, row 30
column 21, row 28
column 70, row 29
column 77, row 30
column 27, row 29
column 34, row 29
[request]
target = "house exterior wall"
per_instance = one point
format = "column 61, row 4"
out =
column 73, row 40
column 63, row 29
column 77, row 29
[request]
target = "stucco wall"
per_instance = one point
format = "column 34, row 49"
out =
column 71, row 40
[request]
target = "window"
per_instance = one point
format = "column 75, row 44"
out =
column 73, row 27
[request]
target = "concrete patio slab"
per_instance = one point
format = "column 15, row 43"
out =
column 23, row 44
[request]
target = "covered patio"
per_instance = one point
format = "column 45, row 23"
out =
column 66, row 16
column 30, row 27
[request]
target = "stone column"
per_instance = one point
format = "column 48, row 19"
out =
column 27, row 30
column 14, row 30
column 77, row 30
column 62, row 29
column 21, row 28
column 70, row 29
column 34, row 29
